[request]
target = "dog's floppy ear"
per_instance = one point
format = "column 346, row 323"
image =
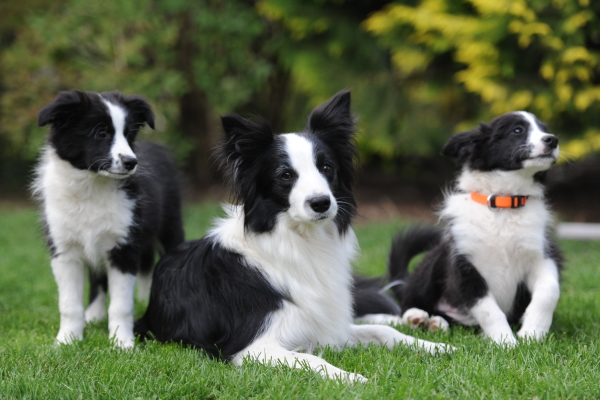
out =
column 139, row 107
column 63, row 107
column 461, row 145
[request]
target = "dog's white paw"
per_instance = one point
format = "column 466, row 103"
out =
column 507, row 341
column 415, row 318
column 438, row 323
column 95, row 312
column 124, row 343
column 536, row 334
column 68, row 336
column 352, row 378
column 435, row 348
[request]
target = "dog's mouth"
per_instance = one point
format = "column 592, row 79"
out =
column 116, row 174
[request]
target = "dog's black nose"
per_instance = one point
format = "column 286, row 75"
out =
column 320, row 204
column 550, row 141
column 129, row 162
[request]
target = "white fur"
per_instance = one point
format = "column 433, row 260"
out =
column 310, row 262
column 506, row 246
column 310, row 184
column 120, row 146
column 87, row 216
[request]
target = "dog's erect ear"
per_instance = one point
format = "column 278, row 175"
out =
column 333, row 119
column 245, row 140
column 63, row 107
column 461, row 145
column 139, row 107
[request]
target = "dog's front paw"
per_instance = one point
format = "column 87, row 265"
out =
column 436, row 348
column 536, row 334
column 67, row 336
column 507, row 341
column 352, row 378
column 438, row 323
column 415, row 318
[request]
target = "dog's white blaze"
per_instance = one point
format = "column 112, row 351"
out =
column 119, row 146
column 535, row 139
column 310, row 183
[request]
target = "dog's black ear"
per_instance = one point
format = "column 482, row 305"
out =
column 334, row 124
column 245, row 140
column 333, row 119
column 461, row 145
column 139, row 107
column 63, row 107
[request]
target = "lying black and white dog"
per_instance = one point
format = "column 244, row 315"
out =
column 495, row 264
column 274, row 278
column 105, row 201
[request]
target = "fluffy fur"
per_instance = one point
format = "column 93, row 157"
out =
column 273, row 278
column 489, row 267
column 105, row 201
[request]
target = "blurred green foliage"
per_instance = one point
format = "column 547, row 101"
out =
column 419, row 70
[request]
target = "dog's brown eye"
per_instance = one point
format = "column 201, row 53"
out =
column 327, row 168
column 518, row 130
column 101, row 134
column 286, row 175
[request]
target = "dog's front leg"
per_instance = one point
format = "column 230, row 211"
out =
column 267, row 352
column 120, row 311
column 493, row 321
column 70, row 279
column 545, row 291
column 390, row 337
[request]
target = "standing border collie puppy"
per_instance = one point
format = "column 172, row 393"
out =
column 274, row 277
column 496, row 264
column 105, row 202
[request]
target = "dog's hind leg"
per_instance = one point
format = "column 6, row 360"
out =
column 144, row 276
column 390, row 337
column 96, row 309
column 269, row 353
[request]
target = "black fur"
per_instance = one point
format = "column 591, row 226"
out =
column 206, row 295
column 82, row 134
column 499, row 145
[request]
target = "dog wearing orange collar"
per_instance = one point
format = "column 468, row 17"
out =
column 494, row 264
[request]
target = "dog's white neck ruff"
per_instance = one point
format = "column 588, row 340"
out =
column 86, row 213
column 308, row 263
column 501, row 183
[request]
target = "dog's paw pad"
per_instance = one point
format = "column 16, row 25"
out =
column 438, row 323
column 415, row 318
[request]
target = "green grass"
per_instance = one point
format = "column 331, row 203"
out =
column 566, row 365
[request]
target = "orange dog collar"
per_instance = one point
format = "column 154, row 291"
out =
column 493, row 201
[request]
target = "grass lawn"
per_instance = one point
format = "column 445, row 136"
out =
column 566, row 365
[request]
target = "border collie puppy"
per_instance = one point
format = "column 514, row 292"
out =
column 495, row 265
column 274, row 277
column 105, row 201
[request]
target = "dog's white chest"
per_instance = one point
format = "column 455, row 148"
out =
column 87, row 214
column 503, row 245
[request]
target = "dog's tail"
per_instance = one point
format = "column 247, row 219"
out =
column 407, row 244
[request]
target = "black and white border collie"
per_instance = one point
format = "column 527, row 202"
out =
column 105, row 201
column 274, row 277
column 495, row 264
